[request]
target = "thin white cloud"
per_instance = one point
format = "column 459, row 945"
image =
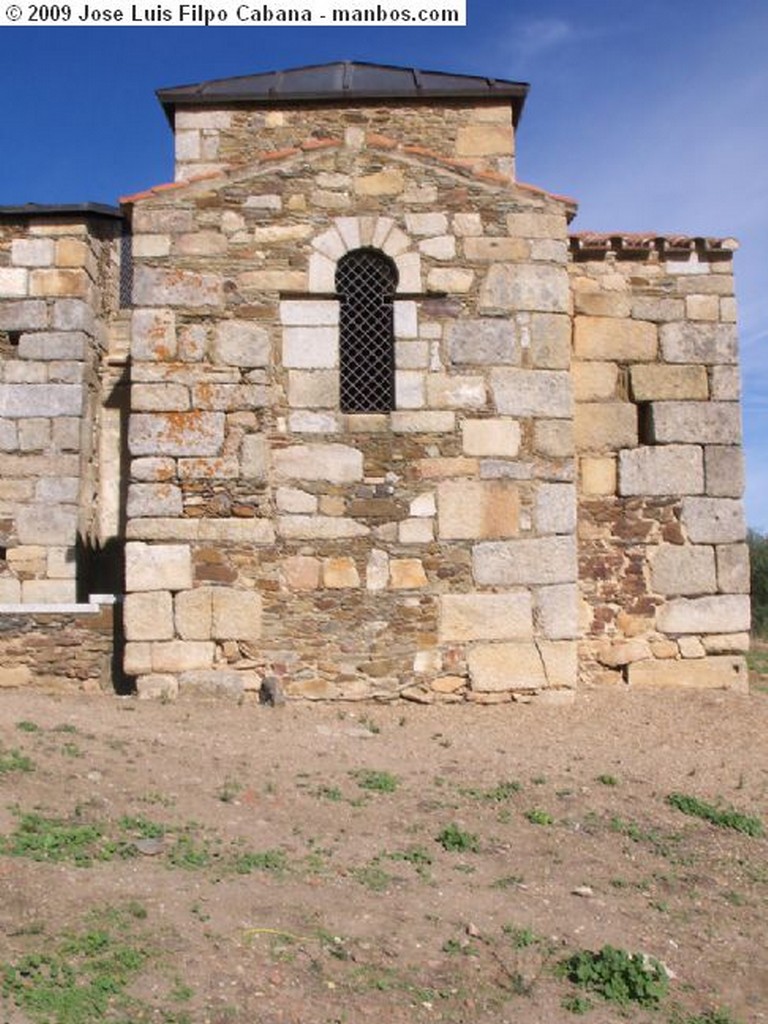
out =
column 534, row 37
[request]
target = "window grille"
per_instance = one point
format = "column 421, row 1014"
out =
column 365, row 282
column 126, row 268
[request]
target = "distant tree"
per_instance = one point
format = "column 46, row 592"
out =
column 758, row 554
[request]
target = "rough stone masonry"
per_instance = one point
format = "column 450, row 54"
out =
column 552, row 494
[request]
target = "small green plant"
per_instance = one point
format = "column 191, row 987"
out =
column 537, row 816
column 718, row 1016
column 376, row 782
column 373, row 877
column 723, row 817
column 141, row 827
column 228, row 790
column 26, row 726
column 618, row 976
column 507, row 882
column 520, row 937
column 497, row 794
column 15, row 761
column 454, row 946
column 53, row 839
column 268, row 860
column 577, row 1004
column 455, row 840
column 330, row 793
column 607, row 780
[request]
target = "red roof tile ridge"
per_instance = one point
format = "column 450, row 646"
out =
column 618, row 240
column 537, row 190
column 167, row 186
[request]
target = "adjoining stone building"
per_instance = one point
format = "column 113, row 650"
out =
column 346, row 404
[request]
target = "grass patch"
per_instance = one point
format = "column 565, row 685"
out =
column 15, row 761
column 618, row 976
column 26, row 726
column 54, row 840
column 376, row 782
column 723, row 817
column 537, row 816
column 268, row 860
column 455, row 840
column 497, row 794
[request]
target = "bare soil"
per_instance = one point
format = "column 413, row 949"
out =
column 286, row 864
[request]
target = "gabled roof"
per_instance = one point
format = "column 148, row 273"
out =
column 340, row 82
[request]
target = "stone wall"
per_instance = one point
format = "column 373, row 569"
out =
column 57, row 289
column 663, row 567
column 429, row 551
column 479, row 136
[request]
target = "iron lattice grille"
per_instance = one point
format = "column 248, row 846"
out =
column 365, row 282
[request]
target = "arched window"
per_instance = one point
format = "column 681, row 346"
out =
column 366, row 280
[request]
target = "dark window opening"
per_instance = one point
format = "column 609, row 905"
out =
column 126, row 268
column 645, row 431
column 366, row 280
column 9, row 343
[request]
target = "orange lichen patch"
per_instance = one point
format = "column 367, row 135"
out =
column 503, row 179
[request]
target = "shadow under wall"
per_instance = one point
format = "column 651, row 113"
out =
column 101, row 566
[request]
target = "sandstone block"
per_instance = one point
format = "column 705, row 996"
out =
column 713, row 520
column 510, row 288
column 657, row 308
column 496, row 250
column 683, row 570
column 159, row 398
column 668, row 469
column 317, row 527
column 611, row 338
column 467, row 224
column 153, row 287
column 443, row 247
column 623, row 652
column 561, row 663
column 691, row 647
column 208, row 469
column 696, row 422
column 484, row 342
column 407, row 574
column 48, row 345
column 484, row 140
column 415, row 531
column 657, row 382
column 18, row 400
column 212, row 683
column 455, row 391
column 14, row 282
column 535, row 224
column 390, row 182
column 525, row 562
column 10, row 591
column 467, row 617
column 181, row 655
column 157, row 566
column 377, row 570
column 499, row 437
column 27, row 315
column 423, row 422
column 147, row 500
column 409, row 389
column 724, row 471
column 15, row 676
column 605, row 426
column 48, row 591
column 310, row 312
column 193, row 613
column 553, row 438
column 532, row 393
column 46, row 525
column 555, row 508
column 335, row 463
column 200, row 243
column 556, row 611
column 137, row 659
column 733, row 568
column 310, row 348
column 601, row 303
column 153, row 334
column 594, row 382
column 495, row 668
column 726, row 643
column 254, row 456
column 477, row 509
column 686, row 342
column 241, row 343
column 300, row 572
column 598, row 475
column 236, row 614
column 725, row 672
column 318, row 389
column 726, row 383
column 148, row 616
column 176, row 433
column 149, row 246
column 157, row 687
column 550, row 343
column 725, row 613
column 32, row 252
column 278, row 280
column 340, row 573
column 454, row 280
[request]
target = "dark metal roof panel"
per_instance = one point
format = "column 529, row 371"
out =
column 62, row 209
column 342, row 81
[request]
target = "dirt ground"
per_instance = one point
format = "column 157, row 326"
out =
column 200, row 863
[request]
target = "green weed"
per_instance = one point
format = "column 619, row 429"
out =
column 228, row 791
column 26, row 726
column 15, row 761
column 373, row 877
column 330, row 793
column 607, row 780
column 454, row 840
column 726, row 817
column 718, row 1016
column 54, row 839
column 268, row 860
column 577, row 1004
column 618, row 976
column 376, row 782
column 537, row 816
column 520, row 937
column 497, row 794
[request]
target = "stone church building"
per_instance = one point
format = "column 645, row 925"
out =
column 348, row 406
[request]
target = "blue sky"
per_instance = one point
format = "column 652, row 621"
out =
column 653, row 115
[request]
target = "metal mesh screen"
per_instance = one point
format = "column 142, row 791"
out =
column 126, row 268
column 365, row 282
